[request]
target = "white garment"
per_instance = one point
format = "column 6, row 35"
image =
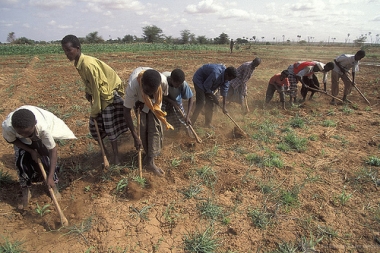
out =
column 48, row 128
column 133, row 91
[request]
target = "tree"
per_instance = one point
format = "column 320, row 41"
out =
column 222, row 39
column 152, row 34
column 24, row 40
column 202, row 39
column 11, row 37
column 128, row 38
column 359, row 41
column 94, row 38
column 186, row 36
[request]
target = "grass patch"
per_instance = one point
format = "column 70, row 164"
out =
column 201, row 242
column 270, row 160
column 260, row 217
column 11, row 247
column 83, row 227
column 293, row 142
column 265, row 131
column 5, row 178
column 207, row 175
column 209, row 210
column 140, row 181
column 192, row 191
column 142, row 213
column 297, row 122
column 373, row 161
column 329, row 123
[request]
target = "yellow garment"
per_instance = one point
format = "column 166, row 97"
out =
column 154, row 107
column 100, row 81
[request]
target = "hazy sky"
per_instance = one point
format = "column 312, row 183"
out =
column 321, row 19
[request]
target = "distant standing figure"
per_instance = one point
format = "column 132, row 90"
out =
column 279, row 83
column 231, row 45
column 343, row 64
column 312, row 81
column 179, row 89
column 33, row 132
column 104, row 90
column 208, row 79
column 237, row 91
column 145, row 90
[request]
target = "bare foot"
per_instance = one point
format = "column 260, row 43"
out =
column 155, row 170
column 26, row 195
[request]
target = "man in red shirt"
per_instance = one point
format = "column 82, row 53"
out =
column 280, row 83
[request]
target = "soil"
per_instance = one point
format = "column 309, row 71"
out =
column 335, row 192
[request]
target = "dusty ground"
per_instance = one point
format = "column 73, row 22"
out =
column 326, row 192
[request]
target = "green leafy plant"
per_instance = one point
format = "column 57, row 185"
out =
column 87, row 188
column 286, row 247
column 192, row 191
column 122, row 184
column 309, row 244
column 175, row 163
column 260, row 217
column 42, row 210
column 140, row 180
column 373, row 161
column 343, row 198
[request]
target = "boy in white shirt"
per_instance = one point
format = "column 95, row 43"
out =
column 32, row 131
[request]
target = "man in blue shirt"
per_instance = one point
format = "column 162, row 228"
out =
column 207, row 79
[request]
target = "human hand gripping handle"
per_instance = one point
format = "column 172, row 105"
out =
column 213, row 98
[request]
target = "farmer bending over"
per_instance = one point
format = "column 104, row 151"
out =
column 32, row 131
column 145, row 90
column 104, row 90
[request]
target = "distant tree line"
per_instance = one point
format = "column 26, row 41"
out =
column 151, row 34
column 154, row 34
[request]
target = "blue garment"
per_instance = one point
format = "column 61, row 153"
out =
column 210, row 77
column 182, row 92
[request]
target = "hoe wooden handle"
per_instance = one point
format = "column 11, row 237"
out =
column 64, row 221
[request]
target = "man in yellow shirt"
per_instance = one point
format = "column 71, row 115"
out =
column 104, row 89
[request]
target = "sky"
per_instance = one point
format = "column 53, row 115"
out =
column 269, row 21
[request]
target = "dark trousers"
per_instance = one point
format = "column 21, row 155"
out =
column 202, row 101
column 313, row 83
column 271, row 90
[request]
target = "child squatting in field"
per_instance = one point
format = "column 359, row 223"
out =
column 104, row 90
column 32, row 132
column 144, row 91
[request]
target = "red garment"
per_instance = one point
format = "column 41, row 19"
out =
column 276, row 80
column 298, row 66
